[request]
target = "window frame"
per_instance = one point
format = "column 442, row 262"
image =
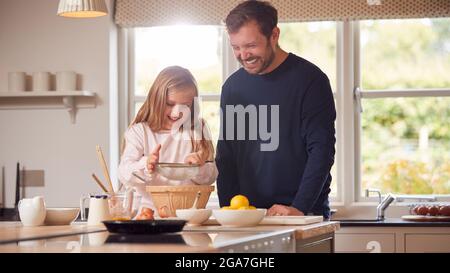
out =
column 359, row 94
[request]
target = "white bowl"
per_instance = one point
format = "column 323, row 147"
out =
column 239, row 218
column 193, row 217
column 61, row 216
column 178, row 171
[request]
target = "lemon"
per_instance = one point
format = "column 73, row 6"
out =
column 251, row 207
column 226, row 208
column 239, row 201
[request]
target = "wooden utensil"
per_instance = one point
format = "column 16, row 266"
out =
column 104, row 167
column 194, row 206
column 99, row 183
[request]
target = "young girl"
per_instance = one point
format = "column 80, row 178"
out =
column 155, row 135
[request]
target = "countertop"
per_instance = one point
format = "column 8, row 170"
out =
column 301, row 231
column 388, row 222
column 15, row 231
column 79, row 237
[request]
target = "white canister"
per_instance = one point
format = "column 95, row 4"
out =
column 41, row 81
column 98, row 209
column 66, row 81
column 16, row 81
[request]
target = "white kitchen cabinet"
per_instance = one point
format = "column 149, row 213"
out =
column 365, row 242
column 420, row 243
column 388, row 239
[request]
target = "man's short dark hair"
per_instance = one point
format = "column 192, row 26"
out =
column 263, row 13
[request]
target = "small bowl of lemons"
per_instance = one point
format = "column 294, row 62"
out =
column 239, row 213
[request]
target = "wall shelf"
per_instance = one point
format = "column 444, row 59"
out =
column 47, row 100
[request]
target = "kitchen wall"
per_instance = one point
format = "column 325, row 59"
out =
column 33, row 38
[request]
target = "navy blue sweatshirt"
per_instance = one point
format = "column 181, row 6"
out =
column 297, row 173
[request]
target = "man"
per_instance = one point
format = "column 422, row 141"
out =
column 294, row 178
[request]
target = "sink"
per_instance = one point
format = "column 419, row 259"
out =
column 360, row 222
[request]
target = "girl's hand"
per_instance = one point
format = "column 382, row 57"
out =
column 194, row 158
column 153, row 158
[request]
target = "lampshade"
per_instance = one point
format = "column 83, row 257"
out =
column 82, row 8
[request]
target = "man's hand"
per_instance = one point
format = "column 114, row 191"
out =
column 153, row 158
column 281, row 210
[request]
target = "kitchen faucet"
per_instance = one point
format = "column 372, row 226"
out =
column 389, row 198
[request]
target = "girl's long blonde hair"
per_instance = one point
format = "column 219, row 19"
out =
column 152, row 111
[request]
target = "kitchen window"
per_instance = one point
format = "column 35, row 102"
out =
column 197, row 48
column 390, row 80
column 404, row 106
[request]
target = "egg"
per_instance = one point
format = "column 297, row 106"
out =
column 163, row 212
column 444, row 210
column 146, row 214
column 422, row 210
column 433, row 210
column 415, row 210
